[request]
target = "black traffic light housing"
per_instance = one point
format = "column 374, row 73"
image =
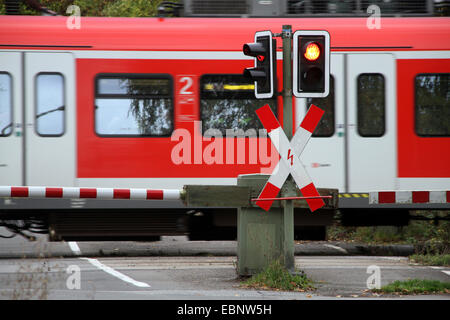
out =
column 264, row 71
column 311, row 65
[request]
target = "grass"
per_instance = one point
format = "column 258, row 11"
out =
column 430, row 238
column 416, row 233
column 276, row 277
column 415, row 286
column 431, row 259
column 429, row 232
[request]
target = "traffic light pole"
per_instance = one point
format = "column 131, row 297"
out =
column 288, row 216
column 265, row 237
column 287, row 80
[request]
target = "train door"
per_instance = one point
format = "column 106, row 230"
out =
column 371, row 119
column 50, row 119
column 11, row 148
column 323, row 156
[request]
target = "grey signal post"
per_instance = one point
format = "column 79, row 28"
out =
column 267, row 236
column 288, row 218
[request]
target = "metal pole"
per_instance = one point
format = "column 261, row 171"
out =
column 287, row 80
column 288, row 217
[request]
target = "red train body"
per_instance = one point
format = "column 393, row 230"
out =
column 404, row 61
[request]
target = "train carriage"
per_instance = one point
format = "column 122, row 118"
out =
column 159, row 102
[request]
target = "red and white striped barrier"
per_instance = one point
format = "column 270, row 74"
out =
column 90, row 193
column 409, row 197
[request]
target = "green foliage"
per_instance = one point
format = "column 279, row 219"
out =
column 131, row 8
column 96, row 8
column 93, row 8
column 415, row 286
column 276, row 277
column 372, row 235
column 428, row 236
column 58, row 6
column 430, row 239
column 431, row 259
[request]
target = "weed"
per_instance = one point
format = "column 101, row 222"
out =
column 428, row 236
column 276, row 277
column 431, row 260
column 32, row 280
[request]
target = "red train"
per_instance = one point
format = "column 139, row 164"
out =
column 147, row 102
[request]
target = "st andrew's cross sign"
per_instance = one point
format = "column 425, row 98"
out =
column 290, row 162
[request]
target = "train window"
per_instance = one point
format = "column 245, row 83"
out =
column 326, row 124
column 5, row 105
column 50, row 107
column 227, row 101
column 134, row 105
column 432, row 112
column 371, row 105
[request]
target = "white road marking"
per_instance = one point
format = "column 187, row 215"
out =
column 394, row 258
column 440, row 268
column 74, row 247
column 116, row 273
column 336, row 247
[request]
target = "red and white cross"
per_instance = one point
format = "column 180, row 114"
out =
column 289, row 153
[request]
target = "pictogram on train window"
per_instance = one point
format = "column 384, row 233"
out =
column 6, row 118
column 228, row 102
column 432, row 105
column 371, row 105
column 50, row 105
column 134, row 105
column 326, row 127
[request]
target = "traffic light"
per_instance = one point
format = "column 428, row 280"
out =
column 311, row 65
column 264, row 72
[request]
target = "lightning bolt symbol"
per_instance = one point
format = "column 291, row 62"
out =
column 290, row 156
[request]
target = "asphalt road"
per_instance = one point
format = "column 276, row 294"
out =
column 194, row 278
column 177, row 269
